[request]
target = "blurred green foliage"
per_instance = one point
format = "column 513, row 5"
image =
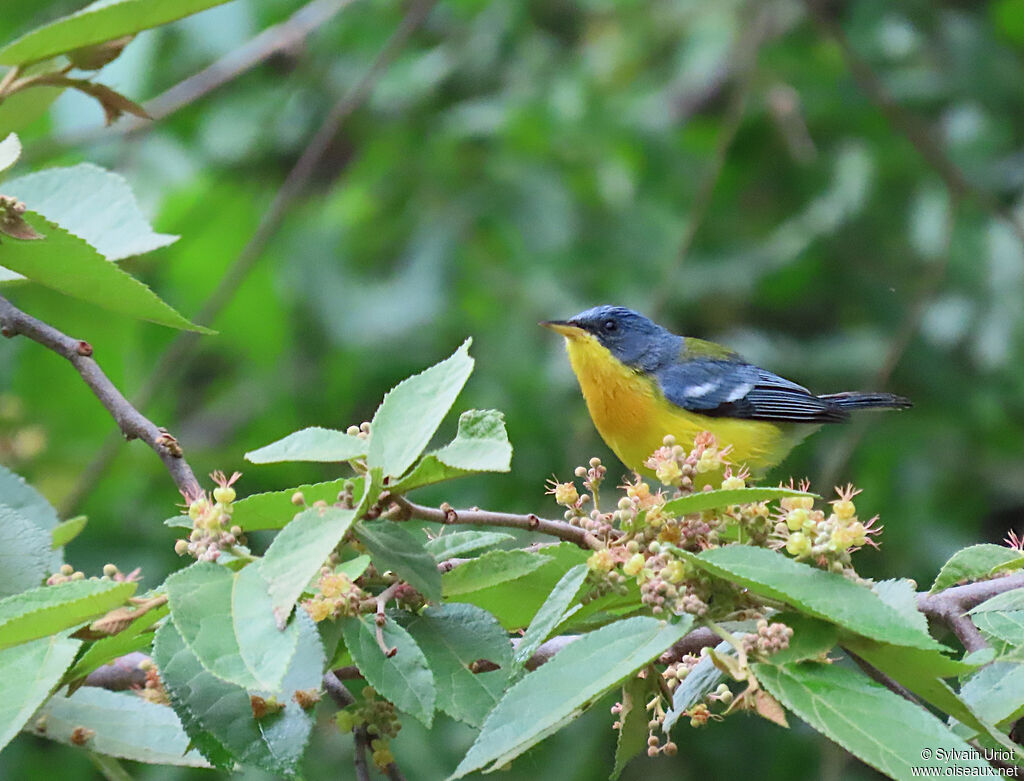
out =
column 522, row 161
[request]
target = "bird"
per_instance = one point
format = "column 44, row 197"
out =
column 641, row 383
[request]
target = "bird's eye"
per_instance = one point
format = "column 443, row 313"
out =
column 610, row 326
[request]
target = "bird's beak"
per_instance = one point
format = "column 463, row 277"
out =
column 565, row 327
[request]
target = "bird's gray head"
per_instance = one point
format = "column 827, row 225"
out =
column 629, row 336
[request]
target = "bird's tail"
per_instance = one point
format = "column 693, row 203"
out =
column 855, row 400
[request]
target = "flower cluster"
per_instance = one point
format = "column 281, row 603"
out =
column 338, row 596
column 67, row 573
column 769, row 639
column 212, row 532
column 362, row 430
column 674, row 466
column 825, row 539
column 380, row 720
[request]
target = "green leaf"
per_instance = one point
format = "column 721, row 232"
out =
column 92, row 203
column 274, row 509
column 395, row 549
column 559, row 691
column 879, row 727
column 449, row 546
column 453, row 637
column 821, row 594
column 20, row 496
column 311, row 444
column 633, row 718
column 412, row 410
column 65, row 532
column 28, row 672
column 901, row 596
column 218, row 715
column 490, row 569
column 227, row 621
column 404, row 678
column 711, row 500
column 701, row 681
column 1002, row 618
column 481, row 444
column 124, row 726
column 973, row 563
column 20, row 110
column 136, row 636
column 10, row 151
column 49, row 609
column 811, row 639
column 96, row 23
column 299, row 551
column 997, row 692
column 67, row 264
column 25, row 552
column 353, row 568
column 551, row 612
column 515, row 602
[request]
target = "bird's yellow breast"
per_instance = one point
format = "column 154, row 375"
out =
column 633, row 416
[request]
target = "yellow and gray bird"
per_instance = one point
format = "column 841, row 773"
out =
column 641, row 382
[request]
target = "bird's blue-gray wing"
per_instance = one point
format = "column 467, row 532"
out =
column 734, row 389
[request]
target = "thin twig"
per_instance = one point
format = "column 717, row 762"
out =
column 912, row 127
column 177, row 356
column 132, row 423
column 336, row 690
column 359, row 757
column 952, row 605
column 530, row 522
column 380, row 619
column 393, row 773
column 745, row 71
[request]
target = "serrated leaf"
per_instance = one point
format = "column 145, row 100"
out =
column 10, row 151
column 123, row 725
column 901, row 596
column 298, row 552
column 311, row 444
column 218, row 715
column 633, row 718
column 551, row 612
column 395, row 549
column 812, row 639
column 97, row 23
column 481, row 445
column 451, row 545
column 25, row 552
column 453, row 637
column 825, row 595
column 411, row 412
column 28, row 672
column 274, row 509
column 227, row 621
column 49, row 609
column 564, row 687
column 997, row 692
column 972, row 563
column 92, row 203
column 880, row 728
column 491, row 569
column 515, row 602
column 711, row 500
column 404, row 678
column 19, row 495
column 67, row 264
column 65, row 532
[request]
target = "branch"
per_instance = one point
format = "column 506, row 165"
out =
column 951, row 606
column 916, row 131
column 879, row 677
column 337, row 690
column 529, row 522
column 359, row 758
column 125, row 672
column 177, row 356
column 133, row 424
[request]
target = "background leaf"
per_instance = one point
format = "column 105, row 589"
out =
column 27, row 674
column 310, row 444
column 972, row 563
